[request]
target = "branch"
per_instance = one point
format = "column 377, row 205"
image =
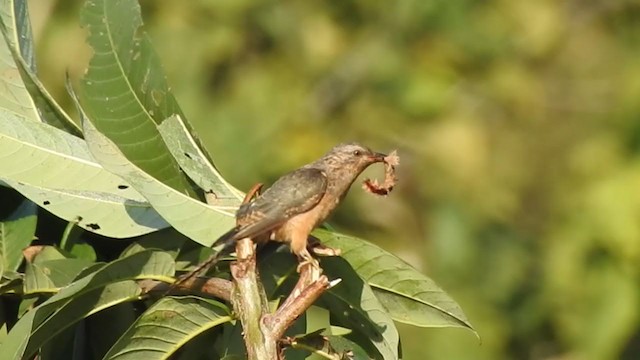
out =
column 213, row 287
column 307, row 290
column 250, row 303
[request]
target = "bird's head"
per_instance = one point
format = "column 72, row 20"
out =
column 353, row 156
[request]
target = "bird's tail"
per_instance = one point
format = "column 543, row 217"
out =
column 222, row 246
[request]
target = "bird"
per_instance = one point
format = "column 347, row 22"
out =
column 296, row 203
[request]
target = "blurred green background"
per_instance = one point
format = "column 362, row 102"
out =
column 517, row 122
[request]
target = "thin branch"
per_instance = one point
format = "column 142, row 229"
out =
column 286, row 315
column 307, row 290
column 213, row 287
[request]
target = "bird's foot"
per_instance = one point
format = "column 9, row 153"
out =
column 308, row 262
column 326, row 251
column 321, row 249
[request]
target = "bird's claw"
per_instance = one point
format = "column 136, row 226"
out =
column 308, row 262
column 318, row 248
column 326, row 251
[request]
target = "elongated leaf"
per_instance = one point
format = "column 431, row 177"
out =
column 16, row 233
column 50, row 111
column 48, row 269
column 38, row 281
column 80, row 307
column 325, row 346
column 73, row 243
column 341, row 345
column 158, row 241
column 353, row 304
column 167, row 325
column 110, row 323
column 204, row 346
column 41, row 155
column 36, row 158
column 408, row 295
column 14, row 96
column 101, row 213
column 196, row 220
column 145, row 264
column 194, row 162
column 83, row 251
column 11, row 282
column 51, row 275
column 39, row 254
column 14, row 16
column 124, row 90
column 17, row 33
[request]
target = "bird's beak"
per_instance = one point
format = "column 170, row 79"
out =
column 378, row 157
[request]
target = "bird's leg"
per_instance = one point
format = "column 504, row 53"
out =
column 318, row 248
column 307, row 259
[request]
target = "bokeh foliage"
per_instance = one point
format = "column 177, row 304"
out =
column 518, row 124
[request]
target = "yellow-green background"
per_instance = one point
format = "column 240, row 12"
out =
column 517, row 122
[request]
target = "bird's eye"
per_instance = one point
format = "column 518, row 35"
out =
column 357, row 152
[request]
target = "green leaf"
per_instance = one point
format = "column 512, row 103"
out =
column 159, row 241
column 110, row 323
column 3, row 322
column 38, row 281
column 14, row 16
column 101, row 213
column 11, row 282
column 166, row 326
column 325, row 347
column 142, row 265
column 14, row 97
column 51, row 275
column 16, row 233
column 124, row 91
column 203, row 346
column 230, row 345
column 353, row 304
column 233, row 357
column 342, row 345
column 200, row 222
column 317, row 319
column 19, row 43
column 409, row 296
column 190, row 256
column 80, row 307
column 194, row 162
column 27, row 304
column 47, row 253
column 73, row 243
column 277, row 271
column 56, row 171
column 69, row 342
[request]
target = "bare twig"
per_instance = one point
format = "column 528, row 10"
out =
column 214, row 287
column 304, row 294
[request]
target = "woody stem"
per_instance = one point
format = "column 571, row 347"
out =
column 250, row 303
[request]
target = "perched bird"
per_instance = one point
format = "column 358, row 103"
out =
column 296, row 203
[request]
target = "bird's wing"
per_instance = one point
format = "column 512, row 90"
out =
column 292, row 194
